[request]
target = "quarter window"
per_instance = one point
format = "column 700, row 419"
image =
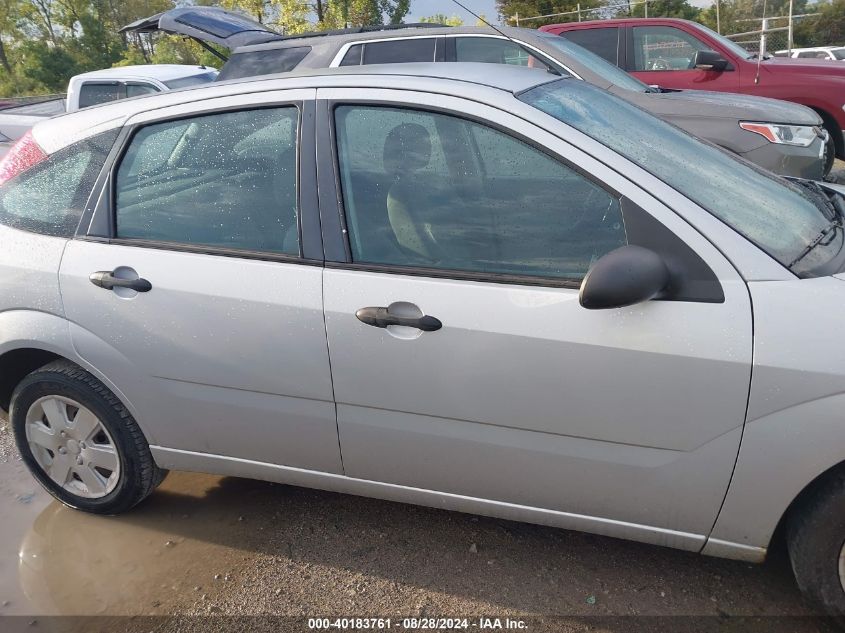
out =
column 430, row 190
column 49, row 198
column 221, row 180
column 664, row 48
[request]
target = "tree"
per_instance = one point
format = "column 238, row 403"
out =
column 441, row 18
column 828, row 29
column 664, row 9
column 508, row 9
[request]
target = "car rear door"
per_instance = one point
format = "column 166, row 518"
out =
column 196, row 286
column 461, row 359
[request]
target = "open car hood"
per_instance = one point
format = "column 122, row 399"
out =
column 208, row 24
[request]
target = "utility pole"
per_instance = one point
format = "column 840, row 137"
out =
column 789, row 41
column 719, row 22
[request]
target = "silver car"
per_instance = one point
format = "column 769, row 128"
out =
column 507, row 293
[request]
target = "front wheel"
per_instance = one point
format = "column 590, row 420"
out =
column 816, row 543
column 80, row 442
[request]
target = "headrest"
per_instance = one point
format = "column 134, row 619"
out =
column 407, row 148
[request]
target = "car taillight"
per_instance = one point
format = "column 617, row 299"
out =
column 24, row 154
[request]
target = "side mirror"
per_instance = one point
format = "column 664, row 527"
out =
column 709, row 60
column 628, row 275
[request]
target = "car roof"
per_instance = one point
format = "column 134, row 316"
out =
column 466, row 78
column 162, row 72
column 613, row 21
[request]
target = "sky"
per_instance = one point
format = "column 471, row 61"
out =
column 421, row 8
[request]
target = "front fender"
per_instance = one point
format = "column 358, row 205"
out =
column 781, row 454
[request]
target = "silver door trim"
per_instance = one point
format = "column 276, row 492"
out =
column 178, row 459
column 544, row 57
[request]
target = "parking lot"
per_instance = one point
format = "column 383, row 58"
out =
column 225, row 546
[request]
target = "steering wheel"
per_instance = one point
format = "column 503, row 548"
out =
column 660, row 64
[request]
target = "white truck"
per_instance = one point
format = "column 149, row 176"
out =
column 100, row 86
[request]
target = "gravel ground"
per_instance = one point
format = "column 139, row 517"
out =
column 204, row 548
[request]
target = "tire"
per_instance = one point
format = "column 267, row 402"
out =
column 68, row 423
column 816, row 541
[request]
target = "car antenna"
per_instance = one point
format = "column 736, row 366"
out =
column 549, row 68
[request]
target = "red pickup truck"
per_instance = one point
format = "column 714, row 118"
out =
column 676, row 53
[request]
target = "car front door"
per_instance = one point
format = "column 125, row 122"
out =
column 461, row 359
column 664, row 56
column 196, row 289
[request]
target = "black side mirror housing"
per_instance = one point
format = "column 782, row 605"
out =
column 709, row 60
column 625, row 276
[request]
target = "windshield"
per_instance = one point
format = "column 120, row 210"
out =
column 769, row 211
column 838, row 53
column 596, row 64
column 737, row 50
column 193, row 80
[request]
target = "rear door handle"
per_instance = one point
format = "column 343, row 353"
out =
column 106, row 279
column 380, row 317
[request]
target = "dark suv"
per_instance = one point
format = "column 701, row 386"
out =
column 785, row 138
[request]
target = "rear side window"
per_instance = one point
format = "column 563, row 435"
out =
column 399, row 51
column 263, row 62
column 49, row 198
column 603, row 42
column 91, row 94
column 223, row 180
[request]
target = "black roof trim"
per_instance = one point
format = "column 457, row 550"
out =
column 362, row 29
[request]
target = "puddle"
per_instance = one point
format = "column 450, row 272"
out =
column 58, row 561
column 205, row 545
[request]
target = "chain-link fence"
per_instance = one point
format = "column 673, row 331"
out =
column 774, row 35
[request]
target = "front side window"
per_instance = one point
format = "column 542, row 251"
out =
column 136, row 90
column 491, row 50
column 430, row 190
column 222, row 180
column 664, row 48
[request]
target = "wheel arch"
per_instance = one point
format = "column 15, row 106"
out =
column 833, row 127
column 785, row 457
column 31, row 339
